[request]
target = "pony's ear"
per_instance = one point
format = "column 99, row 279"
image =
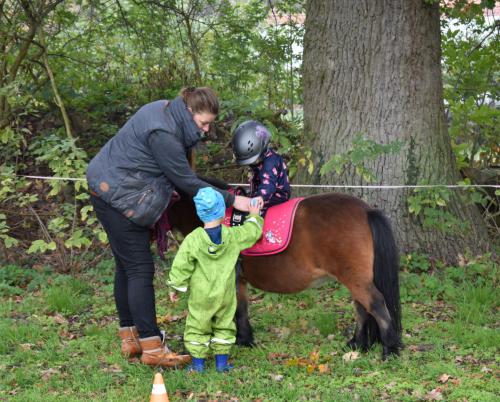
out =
column 241, row 191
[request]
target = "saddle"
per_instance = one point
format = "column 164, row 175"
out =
column 277, row 230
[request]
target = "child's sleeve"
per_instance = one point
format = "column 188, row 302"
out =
column 268, row 176
column 248, row 233
column 182, row 267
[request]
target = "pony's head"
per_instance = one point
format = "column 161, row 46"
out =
column 182, row 215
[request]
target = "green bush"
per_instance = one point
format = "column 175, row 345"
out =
column 14, row 275
column 16, row 279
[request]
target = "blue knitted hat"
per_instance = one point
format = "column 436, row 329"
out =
column 209, row 204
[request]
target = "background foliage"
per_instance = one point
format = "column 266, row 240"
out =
column 73, row 71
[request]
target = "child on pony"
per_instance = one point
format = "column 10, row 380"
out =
column 269, row 177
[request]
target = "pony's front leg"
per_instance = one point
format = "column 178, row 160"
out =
column 244, row 333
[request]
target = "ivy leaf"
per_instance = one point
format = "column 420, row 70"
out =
column 41, row 246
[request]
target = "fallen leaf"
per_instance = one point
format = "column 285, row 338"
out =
column 46, row 374
column 26, row 346
column 297, row 362
column 278, row 356
column 391, row 385
column 114, row 368
column 434, row 395
column 277, row 377
column 314, row 356
column 323, row 368
column 304, row 324
column 59, row 319
column 171, row 318
column 66, row 334
column 443, row 378
column 420, row 348
column 471, row 359
column 283, row 333
column 350, row 356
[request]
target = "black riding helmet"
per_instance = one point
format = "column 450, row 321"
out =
column 250, row 142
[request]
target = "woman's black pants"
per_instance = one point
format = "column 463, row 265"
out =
column 133, row 290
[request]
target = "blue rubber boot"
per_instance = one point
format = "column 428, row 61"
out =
column 197, row 364
column 221, row 363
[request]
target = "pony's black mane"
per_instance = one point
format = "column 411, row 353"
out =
column 216, row 182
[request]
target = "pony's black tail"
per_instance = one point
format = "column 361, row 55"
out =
column 385, row 272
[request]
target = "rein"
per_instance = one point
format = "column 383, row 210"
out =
column 162, row 227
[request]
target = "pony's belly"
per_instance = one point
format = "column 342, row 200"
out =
column 316, row 283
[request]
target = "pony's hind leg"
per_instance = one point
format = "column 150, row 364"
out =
column 375, row 322
column 360, row 338
column 387, row 332
column 244, row 333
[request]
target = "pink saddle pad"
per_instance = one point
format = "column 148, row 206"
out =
column 277, row 230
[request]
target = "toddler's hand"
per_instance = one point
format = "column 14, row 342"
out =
column 256, row 205
column 174, row 297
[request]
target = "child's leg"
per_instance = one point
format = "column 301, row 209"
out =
column 224, row 333
column 223, row 326
column 197, row 335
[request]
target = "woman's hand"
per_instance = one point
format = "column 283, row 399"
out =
column 241, row 203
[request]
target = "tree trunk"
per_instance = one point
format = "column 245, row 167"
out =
column 373, row 67
column 57, row 97
column 193, row 50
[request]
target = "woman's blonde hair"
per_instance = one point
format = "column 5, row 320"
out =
column 201, row 100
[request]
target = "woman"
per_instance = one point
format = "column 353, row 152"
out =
column 131, row 181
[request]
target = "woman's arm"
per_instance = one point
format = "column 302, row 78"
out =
column 170, row 155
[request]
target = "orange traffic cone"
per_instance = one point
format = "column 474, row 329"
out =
column 159, row 392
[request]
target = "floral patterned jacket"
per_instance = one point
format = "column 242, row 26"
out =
column 269, row 179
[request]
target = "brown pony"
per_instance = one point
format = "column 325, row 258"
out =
column 334, row 236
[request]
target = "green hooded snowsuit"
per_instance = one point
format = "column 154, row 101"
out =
column 209, row 270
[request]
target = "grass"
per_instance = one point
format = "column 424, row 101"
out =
column 58, row 342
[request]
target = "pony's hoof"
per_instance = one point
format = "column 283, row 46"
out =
column 388, row 352
column 354, row 345
column 247, row 342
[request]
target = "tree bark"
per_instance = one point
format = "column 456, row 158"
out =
column 373, row 67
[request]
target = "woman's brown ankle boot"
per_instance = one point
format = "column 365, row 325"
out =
column 130, row 341
column 155, row 353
